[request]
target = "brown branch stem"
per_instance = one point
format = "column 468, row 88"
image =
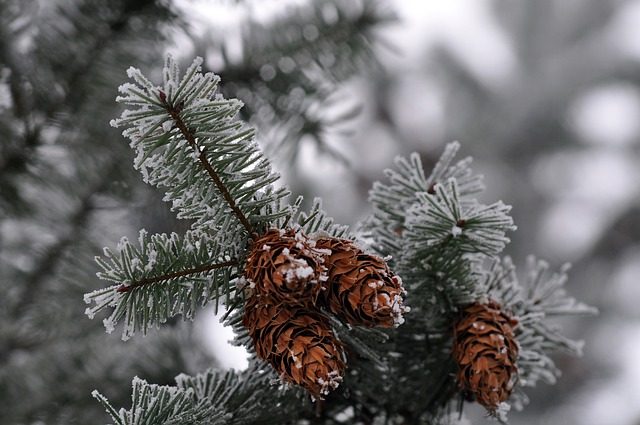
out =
column 174, row 111
column 142, row 282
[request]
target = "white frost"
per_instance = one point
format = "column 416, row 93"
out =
column 109, row 325
column 332, row 380
column 375, row 284
column 501, row 411
column 478, row 326
column 131, row 72
column 153, row 255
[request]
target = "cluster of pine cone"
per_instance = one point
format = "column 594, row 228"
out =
column 292, row 278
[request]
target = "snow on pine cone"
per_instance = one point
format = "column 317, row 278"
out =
column 485, row 351
column 298, row 343
column 361, row 289
column 285, row 266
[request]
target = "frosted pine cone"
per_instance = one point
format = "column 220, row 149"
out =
column 485, row 351
column 361, row 289
column 297, row 343
column 285, row 266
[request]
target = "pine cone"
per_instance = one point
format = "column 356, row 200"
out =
column 361, row 289
column 285, row 266
column 298, row 343
column 485, row 351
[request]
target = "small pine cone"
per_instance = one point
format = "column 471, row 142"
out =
column 361, row 289
column 485, row 351
column 298, row 343
column 285, row 266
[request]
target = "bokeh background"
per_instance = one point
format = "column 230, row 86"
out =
column 545, row 95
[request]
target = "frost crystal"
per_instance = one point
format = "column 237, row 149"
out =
column 131, row 71
column 375, row 284
column 501, row 412
column 109, row 325
column 151, row 261
column 299, row 270
column 332, row 381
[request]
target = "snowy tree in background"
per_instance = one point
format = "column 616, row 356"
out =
column 67, row 189
column 398, row 322
column 65, row 185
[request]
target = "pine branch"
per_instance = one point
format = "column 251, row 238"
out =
column 440, row 218
column 186, row 121
column 174, row 111
column 188, row 141
column 171, row 276
column 214, row 397
column 154, row 404
column 294, row 65
column 163, row 276
column 533, row 301
column 442, row 243
column 317, row 221
column 392, row 201
column 348, row 35
column 239, row 397
column 435, row 230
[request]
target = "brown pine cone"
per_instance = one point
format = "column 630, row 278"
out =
column 485, row 351
column 298, row 343
column 361, row 289
column 285, row 266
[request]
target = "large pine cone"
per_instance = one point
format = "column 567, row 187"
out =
column 298, row 343
column 361, row 289
column 285, row 266
column 485, row 351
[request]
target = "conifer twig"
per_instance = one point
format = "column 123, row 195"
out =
column 174, row 111
column 138, row 283
column 235, row 304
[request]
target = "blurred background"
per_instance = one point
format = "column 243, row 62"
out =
column 544, row 95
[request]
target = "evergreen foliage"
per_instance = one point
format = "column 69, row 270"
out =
column 65, row 183
column 289, row 69
column 66, row 186
column 212, row 397
column 204, row 269
column 441, row 241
